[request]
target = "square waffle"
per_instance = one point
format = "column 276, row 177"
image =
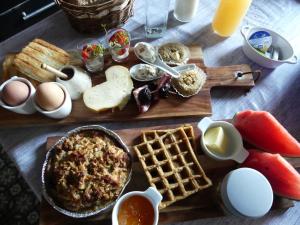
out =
column 170, row 163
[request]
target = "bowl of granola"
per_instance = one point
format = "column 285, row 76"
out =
column 190, row 81
column 86, row 171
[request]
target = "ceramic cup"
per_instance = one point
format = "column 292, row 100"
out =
column 286, row 50
column 63, row 111
column 236, row 150
column 77, row 83
column 26, row 107
column 151, row 194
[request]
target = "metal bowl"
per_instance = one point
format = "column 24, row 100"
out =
column 46, row 187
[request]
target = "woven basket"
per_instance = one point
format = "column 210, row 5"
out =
column 89, row 16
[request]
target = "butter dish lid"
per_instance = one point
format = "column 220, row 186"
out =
column 247, row 192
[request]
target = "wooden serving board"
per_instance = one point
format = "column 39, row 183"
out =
column 200, row 205
column 172, row 107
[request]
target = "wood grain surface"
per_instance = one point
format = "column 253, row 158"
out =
column 172, row 107
column 203, row 204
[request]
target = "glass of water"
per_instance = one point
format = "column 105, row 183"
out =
column 157, row 12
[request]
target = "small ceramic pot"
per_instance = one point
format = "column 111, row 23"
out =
column 63, row 111
column 26, row 107
column 236, row 151
column 151, row 194
column 77, row 83
column 286, row 50
column 245, row 192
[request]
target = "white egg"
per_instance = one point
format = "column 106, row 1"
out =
column 49, row 96
column 15, row 93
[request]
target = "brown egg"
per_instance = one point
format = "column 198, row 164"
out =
column 49, row 96
column 15, row 93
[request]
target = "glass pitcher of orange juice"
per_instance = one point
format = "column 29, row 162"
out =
column 229, row 15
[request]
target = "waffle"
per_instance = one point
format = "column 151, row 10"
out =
column 170, row 163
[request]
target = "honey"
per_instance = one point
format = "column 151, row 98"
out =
column 136, row 210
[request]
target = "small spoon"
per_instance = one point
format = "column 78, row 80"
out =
column 158, row 62
column 55, row 71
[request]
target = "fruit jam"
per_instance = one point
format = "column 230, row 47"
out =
column 136, row 210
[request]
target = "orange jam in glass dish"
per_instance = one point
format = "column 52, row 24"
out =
column 136, row 210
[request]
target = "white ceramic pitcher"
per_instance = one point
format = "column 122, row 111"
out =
column 151, row 194
column 77, row 83
column 237, row 151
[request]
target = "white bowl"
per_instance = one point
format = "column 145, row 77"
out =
column 63, row 111
column 236, row 151
column 286, row 50
column 26, row 107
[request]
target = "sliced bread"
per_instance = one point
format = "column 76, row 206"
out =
column 115, row 92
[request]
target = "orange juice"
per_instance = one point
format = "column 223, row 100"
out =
column 229, row 15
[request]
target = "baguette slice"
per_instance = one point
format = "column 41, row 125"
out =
column 115, row 92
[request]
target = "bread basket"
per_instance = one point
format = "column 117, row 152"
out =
column 89, row 16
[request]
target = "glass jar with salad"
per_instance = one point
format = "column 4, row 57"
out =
column 118, row 41
column 92, row 54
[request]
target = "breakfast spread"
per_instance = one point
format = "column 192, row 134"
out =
column 87, row 171
column 115, row 92
column 49, row 96
column 15, row 93
column 190, row 82
column 28, row 61
column 170, row 164
column 174, row 53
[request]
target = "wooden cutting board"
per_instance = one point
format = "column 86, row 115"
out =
column 172, row 107
column 200, row 205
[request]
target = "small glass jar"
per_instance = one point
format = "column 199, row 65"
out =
column 93, row 62
column 229, row 15
column 118, row 41
column 246, row 193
